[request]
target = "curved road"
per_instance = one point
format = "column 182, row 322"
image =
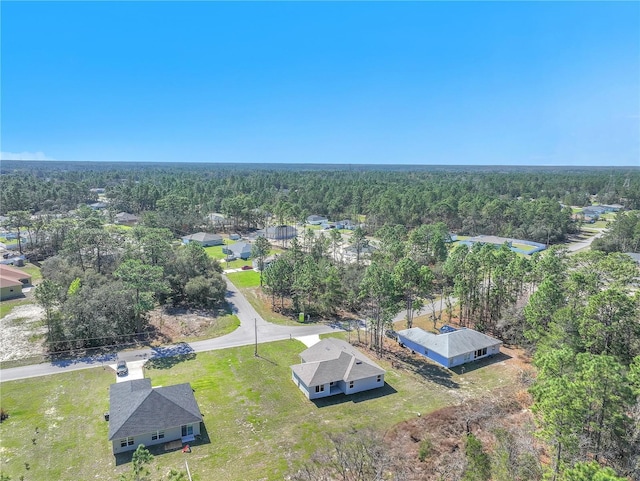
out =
column 244, row 335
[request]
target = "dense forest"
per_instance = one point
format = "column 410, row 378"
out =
column 577, row 315
column 475, row 201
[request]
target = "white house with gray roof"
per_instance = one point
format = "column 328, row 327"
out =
column 450, row 349
column 140, row 414
column 333, row 366
column 204, row 239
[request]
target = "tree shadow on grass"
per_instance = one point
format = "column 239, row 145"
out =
column 427, row 370
column 159, row 449
column 486, row 361
column 167, row 357
column 359, row 397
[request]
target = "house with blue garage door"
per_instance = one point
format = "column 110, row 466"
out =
column 452, row 348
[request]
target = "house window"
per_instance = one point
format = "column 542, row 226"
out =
column 157, row 435
column 126, row 442
column 320, row 388
column 379, row 378
column 187, row 430
column 350, row 384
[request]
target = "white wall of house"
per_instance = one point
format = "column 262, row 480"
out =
column 360, row 385
column 171, row 434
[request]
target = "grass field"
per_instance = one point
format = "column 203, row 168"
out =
column 218, row 326
column 244, row 279
column 524, row 247
column 33, row 271
column 258, row 425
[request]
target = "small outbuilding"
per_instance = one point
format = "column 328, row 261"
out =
column 204, row 239
column 451, row 348
column 124, row 218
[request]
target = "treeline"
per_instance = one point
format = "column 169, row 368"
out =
column 514, row 204
column 101, row 282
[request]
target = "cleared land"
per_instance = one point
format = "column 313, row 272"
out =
column 258, row 425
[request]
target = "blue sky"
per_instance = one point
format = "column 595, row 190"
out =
column 544, row 83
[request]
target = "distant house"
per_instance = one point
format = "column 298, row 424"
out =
column 239, row 250
column 279, row 232
column 345, row 224
column 11, row 281
column 124, row 218
column 316, row 219
column 612, row 207
column 594, row 210
column 266, row 262
column 204, row 239
column 216, row 218
column 97, row 190
column 98, row 205
column 333, row 366
column 235, row 236
column 140, row 414
column 450, row 349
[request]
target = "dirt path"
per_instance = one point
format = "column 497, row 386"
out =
column 22, row 333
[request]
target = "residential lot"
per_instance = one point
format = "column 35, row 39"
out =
column 257, row 424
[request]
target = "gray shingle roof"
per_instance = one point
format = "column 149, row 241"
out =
column 334, row 360
column 239, row 248
column 136, row 408
column 203, row 237
column 450, row 344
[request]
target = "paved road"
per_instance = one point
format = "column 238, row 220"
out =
column 586, row 243
column 250, row 321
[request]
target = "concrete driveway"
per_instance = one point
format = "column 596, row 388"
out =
column 136, row 371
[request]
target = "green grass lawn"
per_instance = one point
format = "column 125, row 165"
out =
column 258, row 425
column 524, row 247
column 244, row 279
column 33, row 271
column 264, row 308
column 7, row 306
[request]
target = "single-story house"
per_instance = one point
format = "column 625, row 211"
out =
column 141, row 414
column 279, row 232
column 98, row 205
column 266, row 262
column 235, row 236
column 216, row 218
column 11, row 281
column 333, row 366
column 204, row 239
column 316, row 219
column 345, row 224
column 124, row 218
column 594, row 210
column 239, row 250
column 450, row 349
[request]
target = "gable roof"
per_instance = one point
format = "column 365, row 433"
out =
column 333, row 360
column 203, row 237
column 14, row 274
column 316, row 218
column 137, row 408
column 126, row 217
column 450, row 344
column 9, row 282
column 239, row 248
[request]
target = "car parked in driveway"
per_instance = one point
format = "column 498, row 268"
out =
column 247, row 268
column 122, row 369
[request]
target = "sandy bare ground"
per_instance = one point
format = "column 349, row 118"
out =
column 22, row 333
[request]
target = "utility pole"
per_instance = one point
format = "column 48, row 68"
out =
column 255, row 328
